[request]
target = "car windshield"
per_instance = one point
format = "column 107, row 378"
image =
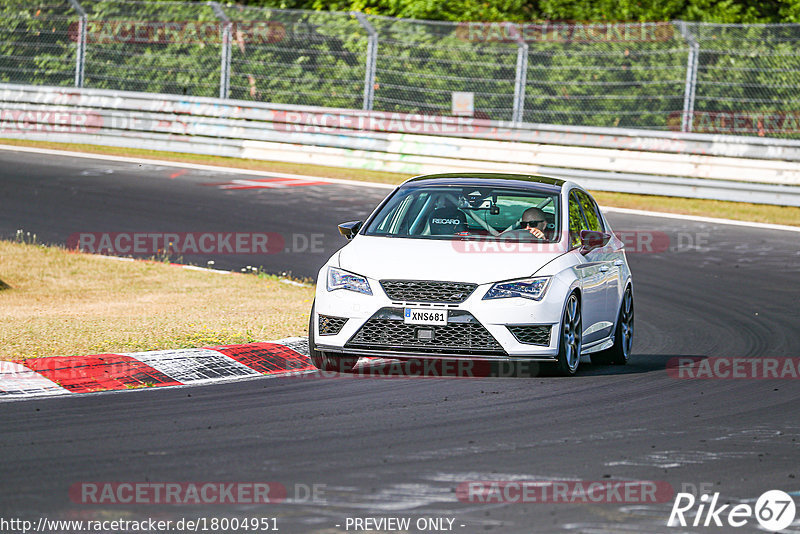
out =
column 454, row 212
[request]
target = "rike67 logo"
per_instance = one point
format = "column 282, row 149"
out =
column 774, row 511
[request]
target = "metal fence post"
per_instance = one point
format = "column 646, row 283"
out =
column 372, row 60
column 80, row 52
column 517, row 113
column 690, row 88
column 225, row 53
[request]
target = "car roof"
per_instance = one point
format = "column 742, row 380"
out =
column 526, row 181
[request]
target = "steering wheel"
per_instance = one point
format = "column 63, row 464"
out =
column 520, row 234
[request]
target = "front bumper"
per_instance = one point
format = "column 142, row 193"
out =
column 464, row 333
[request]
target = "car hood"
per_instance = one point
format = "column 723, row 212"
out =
column 458, row 261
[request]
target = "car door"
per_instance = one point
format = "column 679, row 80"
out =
column 591, row 270
column 610, row 258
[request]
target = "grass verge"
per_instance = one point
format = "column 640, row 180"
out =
column 66, row 303
column 688, row 206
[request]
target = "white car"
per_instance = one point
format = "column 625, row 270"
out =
column 476, row 266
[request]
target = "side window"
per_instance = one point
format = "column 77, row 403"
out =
column 593, row 218
column 576, row 222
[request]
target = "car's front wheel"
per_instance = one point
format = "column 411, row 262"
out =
column 620, row 352
column 569, row 345
column 326, row 361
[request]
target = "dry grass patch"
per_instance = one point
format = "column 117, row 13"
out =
column 65, row 303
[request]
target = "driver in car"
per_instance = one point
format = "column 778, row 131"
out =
column 533, row 221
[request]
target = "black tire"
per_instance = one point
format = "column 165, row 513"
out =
column 620, row 352
column 569, row 338
column 327, row 361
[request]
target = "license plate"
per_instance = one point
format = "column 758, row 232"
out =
column 425, row 316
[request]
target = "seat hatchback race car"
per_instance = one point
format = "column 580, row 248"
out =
column 476, row 266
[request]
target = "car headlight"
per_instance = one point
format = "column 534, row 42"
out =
column 341, row 279
column 527, row 288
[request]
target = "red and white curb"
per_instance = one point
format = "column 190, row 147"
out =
column 65, row 375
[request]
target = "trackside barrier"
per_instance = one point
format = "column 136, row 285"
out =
column 748, row 169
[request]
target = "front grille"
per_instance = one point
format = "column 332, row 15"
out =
column 531, row 334
column 463, row 334
column 427, row 291
column 330, row 326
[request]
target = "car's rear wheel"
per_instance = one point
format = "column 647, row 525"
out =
column 569, row 345
column 327, row 361
column 620, row 352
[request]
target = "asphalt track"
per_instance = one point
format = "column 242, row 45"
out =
column 400, row 447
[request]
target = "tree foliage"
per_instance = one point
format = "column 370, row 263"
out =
column 318, row 56
column 720, row 11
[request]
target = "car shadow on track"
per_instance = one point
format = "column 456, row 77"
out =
column 638, row 363
column 421, row 368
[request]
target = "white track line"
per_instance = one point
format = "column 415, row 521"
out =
column 698, row 218
column 234, row 170
column 196, row 166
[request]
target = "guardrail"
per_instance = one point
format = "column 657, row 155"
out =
column 761, row 170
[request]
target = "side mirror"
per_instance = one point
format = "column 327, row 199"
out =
column 591, row 240
column 350, row 229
